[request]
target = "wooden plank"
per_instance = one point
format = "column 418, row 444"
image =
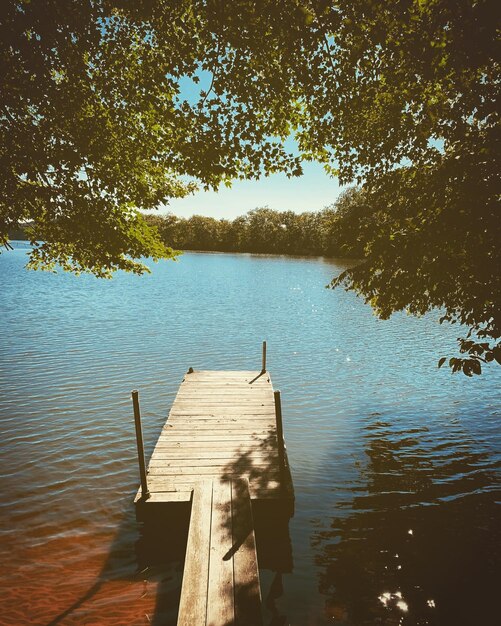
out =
column 269, row 443
column 219, row 429
column 183, row 495
column 228, row 384
column 212, row 421
column 219, row 397
column 184, row 484
column 221, row 459
column 213, row 411
column 226, row 387
column 193, row 407
column 227, row 391
column 194, row 453
column 247, row 590
column 262, row 462
column 224, row 400
column 202, row 436
column 220, row 600
column 216, row 423
column 159, row 496
column 224, row 390
column 171, row 484
column 187, row 481
column 243, row 372
column 193, row 604
column 224, row 375
column 234, row 469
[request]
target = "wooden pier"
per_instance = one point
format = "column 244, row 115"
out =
column 222, row 454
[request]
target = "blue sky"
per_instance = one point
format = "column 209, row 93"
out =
column 310, row 192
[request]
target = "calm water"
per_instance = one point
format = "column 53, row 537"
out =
column 396, row 465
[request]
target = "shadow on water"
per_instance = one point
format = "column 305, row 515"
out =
column 420, row 543
column 150, row 554
column 153, row 552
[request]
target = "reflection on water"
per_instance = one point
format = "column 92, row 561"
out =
column 418, row 480
column 419, row 543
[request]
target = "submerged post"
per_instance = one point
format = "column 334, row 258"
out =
column 280, row 431
column 145, row 494
column 263, row 369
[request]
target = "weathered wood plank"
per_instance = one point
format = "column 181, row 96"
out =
column 247, row 591
column 202, row 436
column 223, row 391
column 194, row 453
column 216, row 429
column 232, row 469
column 178, row 495
column 220, row 600
column 193, row 604
column 226, row 385
column 188, row 481
column 212, row 421
column 226, row 389
column 218, row 372
column 249, row 443
column 172, row 485
column 193, row 408
column 220, row 413
column 261, row 462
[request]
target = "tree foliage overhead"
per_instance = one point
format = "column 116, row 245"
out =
column 400, row 97
column 409, row 107
column 93, row 124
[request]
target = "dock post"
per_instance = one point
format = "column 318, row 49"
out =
column 280, row 431
column 145, row 494
column 263, row 370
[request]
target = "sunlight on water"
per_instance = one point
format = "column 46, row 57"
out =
column 395, row 463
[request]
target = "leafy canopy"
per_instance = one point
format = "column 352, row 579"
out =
column 400, row 97
column 93, row 125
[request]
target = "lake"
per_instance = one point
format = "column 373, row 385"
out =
column 395, row 463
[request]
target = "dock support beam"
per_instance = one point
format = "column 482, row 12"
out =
column 263, row 370
column 280, row 432
column 145, row 494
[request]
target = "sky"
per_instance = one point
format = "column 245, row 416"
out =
column 311, row 192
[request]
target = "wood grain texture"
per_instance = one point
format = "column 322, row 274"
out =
column 247, row 590
column 221, row 425
column 193, row 603
column 220, row 599
column 221, row 576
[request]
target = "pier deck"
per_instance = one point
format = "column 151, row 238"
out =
column 222, row 453
column 222, row 424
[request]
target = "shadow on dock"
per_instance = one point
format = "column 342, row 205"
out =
column 270, row 523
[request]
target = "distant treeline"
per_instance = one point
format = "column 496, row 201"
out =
column 337, row 230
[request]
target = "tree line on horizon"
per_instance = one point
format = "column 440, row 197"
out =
column 340, row 229
column 336, row 230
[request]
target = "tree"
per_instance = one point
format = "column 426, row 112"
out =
column 399, row 97
column 404, row 99
column 93, row 125
column 351, row 223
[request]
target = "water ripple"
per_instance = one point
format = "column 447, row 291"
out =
column 396, row 464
